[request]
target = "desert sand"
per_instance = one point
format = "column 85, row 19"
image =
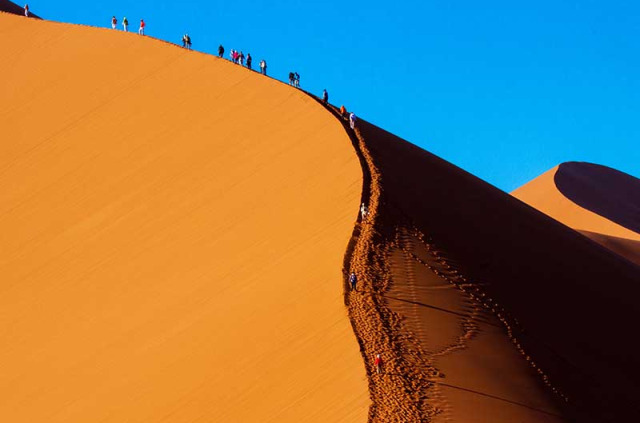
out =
column 178, row 233
column 173, row 233
column 491, row 310
column 597, row 201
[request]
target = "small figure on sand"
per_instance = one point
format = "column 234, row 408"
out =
column 353, row 281
column 220, row 51
column 186, row 41
column 26, row 10
column 343, row 111
column 263, row 67
column 241, row 58
column 352, row 120
column 364, row 211
column 296, row 79
column 249, row 59
column 378, row 363
column 125, row 24
column 142, row 25
column 290, row 78
column 325, row 96
column 114, row 22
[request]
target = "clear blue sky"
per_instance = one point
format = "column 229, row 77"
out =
column 503, row 89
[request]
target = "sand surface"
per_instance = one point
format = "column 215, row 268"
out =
column 491, row 310
column 173, row 233
column 595, row 200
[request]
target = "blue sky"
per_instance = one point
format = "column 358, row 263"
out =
column 503, row 89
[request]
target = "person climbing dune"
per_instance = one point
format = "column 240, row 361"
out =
column 220, row 51
column 343, row 111
column 114, row 22
column 142, row 25
column 26, row 10
column 125, row 24
column 352, row 120
column 364, row 211
column 325, row 96
column 378, row 363
column 353, row 281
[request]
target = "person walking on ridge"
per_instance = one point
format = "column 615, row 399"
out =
column 325, row 96
column 353, row 281
column 125, row 24
column 220, row 51
column 378, row 363
column 343, row 111
column 249, row 61
column 26, row 10
column 263, row 67
column 290, row 78
column 142, row 25
column 241, row 58
column 364, row 211
column 114, row 22
column 188, row 41
column 296, row 79
column 184, row 41
column 352, row 120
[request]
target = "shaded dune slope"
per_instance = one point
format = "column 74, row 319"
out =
column 599, row 202
column 173, row 232
column 602, row 190
column 489, row 309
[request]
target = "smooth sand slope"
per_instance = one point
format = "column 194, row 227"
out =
column 173, row 233
column 600, row 202
column 490, row 310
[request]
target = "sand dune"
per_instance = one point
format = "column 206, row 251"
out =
column 173, row 232
column 598, row 201
column 491, row 310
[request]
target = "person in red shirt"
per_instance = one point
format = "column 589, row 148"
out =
column 142, row 25
column 378, row 363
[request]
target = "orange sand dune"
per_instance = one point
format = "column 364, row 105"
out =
column 591, row 185
column 173, row 240
column 596, row 200
column 173, row 232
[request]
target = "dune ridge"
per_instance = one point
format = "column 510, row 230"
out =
column 459, row 340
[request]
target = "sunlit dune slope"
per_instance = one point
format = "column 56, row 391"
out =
column 173, row 233
column 507, row 314
column 598, row 201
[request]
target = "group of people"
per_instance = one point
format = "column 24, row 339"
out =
column 236, row 57
column 294, row 79
column 125, row 25
column 186, row 41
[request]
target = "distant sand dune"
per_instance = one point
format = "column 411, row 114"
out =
column 598, row 201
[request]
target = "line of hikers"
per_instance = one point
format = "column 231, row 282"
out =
column 236, row 57
column 125, row 24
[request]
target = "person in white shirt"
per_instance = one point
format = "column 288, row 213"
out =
column 352, row 121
